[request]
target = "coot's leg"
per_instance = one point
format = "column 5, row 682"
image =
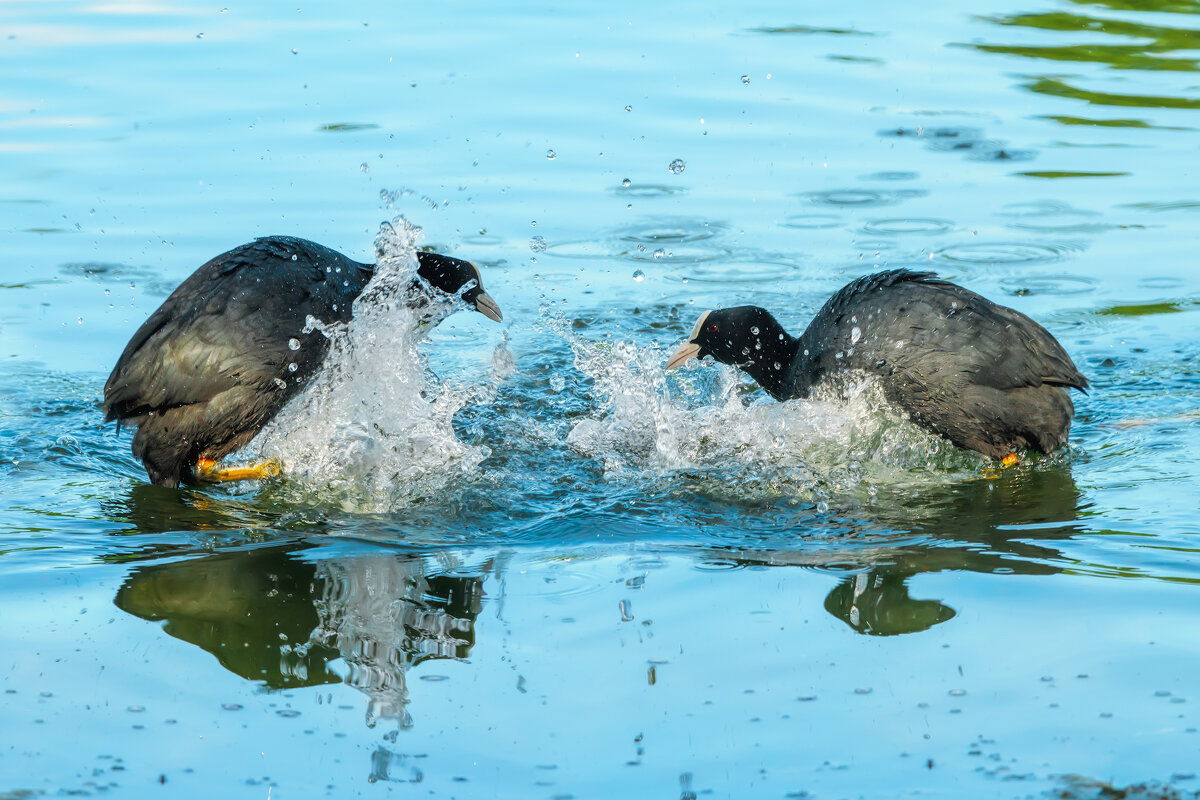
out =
column 1009, row 460
column 208, row 471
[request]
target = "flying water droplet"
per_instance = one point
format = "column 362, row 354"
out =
column 292, row 367
column 855, row 334
column 639, row 276
column 551, row 155
column 822, row 507
column 677, row 166
column 754, row 330
column 281, row 383
column 626, row 182
column 537, row 244
column 745, row 79
column 629, row 108
column 293, row 344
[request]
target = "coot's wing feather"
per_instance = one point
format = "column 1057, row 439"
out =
column 230, row 323
column 983, row 375
column 934, row 329
column 959, row 335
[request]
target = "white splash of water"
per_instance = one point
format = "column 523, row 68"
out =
column 373, row 609
column 695, row 421
column 372, row 429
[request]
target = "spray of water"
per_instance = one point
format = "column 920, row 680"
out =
column 695, row 422
column 372, row 430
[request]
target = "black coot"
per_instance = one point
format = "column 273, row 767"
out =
column 213, row 364
column 984, row 376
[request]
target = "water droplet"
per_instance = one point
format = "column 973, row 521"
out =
column 551, row 155
column 899, row 344
column 659, row 253
column 639, row 276
column 537, row 244
column 295, row 51
column 292, row 367
column 293, row 344
column 626, row 182
column 754, row 330
column 533, row 223
column 629, row 108
column 281, row 383
column 294, row 257
column 778, row 365
column 855, row 334
column 79, row 321
column 364, row 167
column 199, row 35
column 677, row 166
column 745, row 79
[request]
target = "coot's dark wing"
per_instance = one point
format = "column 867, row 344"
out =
column 230, row 323
column 985, row 376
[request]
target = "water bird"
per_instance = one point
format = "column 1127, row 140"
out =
column 982, row 375
column 235, row 342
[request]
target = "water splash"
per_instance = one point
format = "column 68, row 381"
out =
column 372, row 430
column 700, row 425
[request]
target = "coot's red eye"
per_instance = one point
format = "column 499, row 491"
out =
column 712, row 327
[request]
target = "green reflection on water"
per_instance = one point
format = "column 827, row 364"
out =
column 1051, row 173
column 1145, row 47
column 1109, row 123
column 1140, row 310
column 806, row 29
column 1058, row 88
column 1156, row 39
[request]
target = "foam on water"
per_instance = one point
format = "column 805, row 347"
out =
column 696, row 422
column 372, row 429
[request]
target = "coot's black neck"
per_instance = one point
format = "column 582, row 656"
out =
column 771, row 361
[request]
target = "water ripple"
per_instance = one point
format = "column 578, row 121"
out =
column 811, row 221
column 862, row 198
column 1006, row 252
column 899, row 225
column 1060, row 284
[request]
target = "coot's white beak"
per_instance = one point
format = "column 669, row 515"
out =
column 686, row 350
column 689, row 349
column 485, row 305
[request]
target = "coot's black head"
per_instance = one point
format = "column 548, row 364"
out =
column 737, row 336
column 747, row 337
column 458, row 278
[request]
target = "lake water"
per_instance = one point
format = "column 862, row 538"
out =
column 537, row 566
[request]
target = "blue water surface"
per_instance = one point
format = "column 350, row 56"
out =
column 584, row 577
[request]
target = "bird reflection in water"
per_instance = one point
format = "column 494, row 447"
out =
column 985, row 526
column 383, row 614
column 271, row 614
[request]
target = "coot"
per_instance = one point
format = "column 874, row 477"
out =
column 235, row 342
column 984, row 376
